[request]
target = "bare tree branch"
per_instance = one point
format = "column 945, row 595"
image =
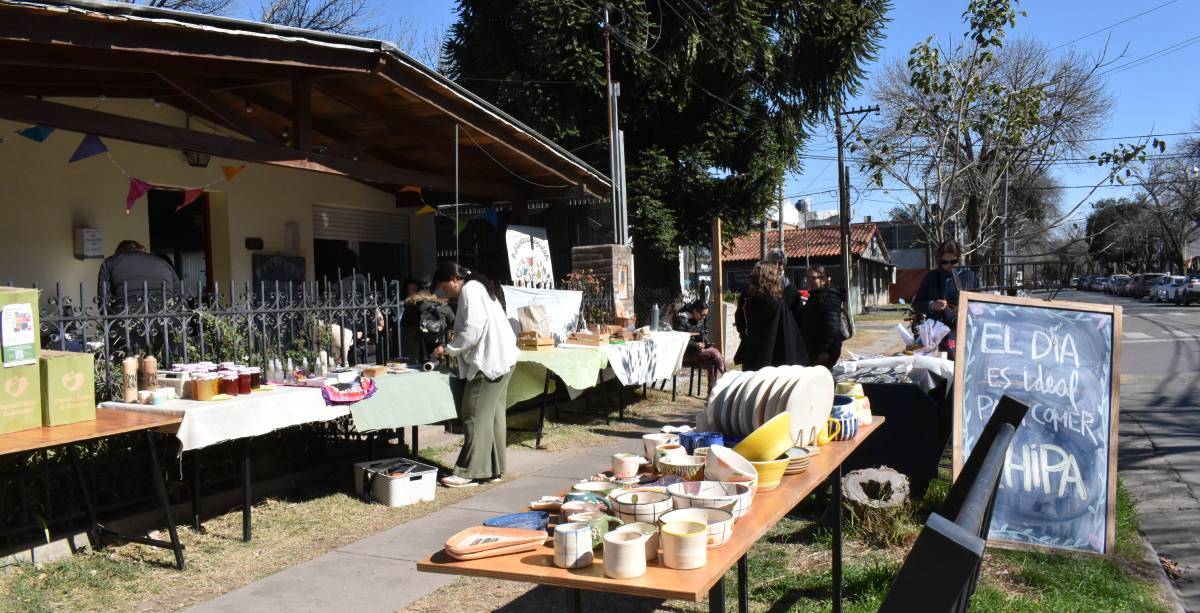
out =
column 207, row 7
column 351, row 17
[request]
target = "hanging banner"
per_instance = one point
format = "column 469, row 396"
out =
column 529, row 257
column 89, row 146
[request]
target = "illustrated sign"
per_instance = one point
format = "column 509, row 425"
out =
column 17, row 335
column 1058, row 487
column 529, row 257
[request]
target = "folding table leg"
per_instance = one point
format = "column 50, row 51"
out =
column 196, row 527
column 161, row 489
column 743, row 586
column 542, row 411
column 415, row 450
column 716, row 597
column 93, row 531
column 576, row 597
column 837, row 540
column 247, row 509
column 674, row 378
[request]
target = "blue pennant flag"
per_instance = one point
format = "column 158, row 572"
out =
column 490, row 215
column 89, row 146
column 37, row 134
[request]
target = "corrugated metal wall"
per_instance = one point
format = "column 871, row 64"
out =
column 336, row 223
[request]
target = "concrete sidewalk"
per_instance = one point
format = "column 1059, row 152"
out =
column 379, row 573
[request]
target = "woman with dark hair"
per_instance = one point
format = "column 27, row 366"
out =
column 693, row 318
column 770, row 336
column 486, row 348
column 822, row 323
column 937, row 297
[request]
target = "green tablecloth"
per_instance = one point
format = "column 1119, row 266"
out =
column 578, row 367
column 409, row 399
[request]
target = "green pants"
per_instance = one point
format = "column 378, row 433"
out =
column 484, row 426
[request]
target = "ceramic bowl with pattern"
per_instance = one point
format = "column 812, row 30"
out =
column 634, row 506
column 733, row 497
column 719, row 522
column 688, row 467
column 725, row 464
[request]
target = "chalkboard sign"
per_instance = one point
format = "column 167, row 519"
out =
column 1058, row 488
column 269, row 268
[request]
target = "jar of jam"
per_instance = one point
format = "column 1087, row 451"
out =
column 229, row 383
column 243, row 380
column 255, row 377
column 202, row 386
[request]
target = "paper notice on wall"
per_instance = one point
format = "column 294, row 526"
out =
column 560, row 307
column 529, row 257
column 17, row 335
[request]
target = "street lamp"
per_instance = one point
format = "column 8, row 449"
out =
column 803, row 206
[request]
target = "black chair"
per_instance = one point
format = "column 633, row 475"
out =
column 942, row 569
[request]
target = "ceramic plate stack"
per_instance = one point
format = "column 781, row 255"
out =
column 798, row 461
column 743, row 401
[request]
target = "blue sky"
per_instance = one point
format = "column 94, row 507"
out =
column 1160, row 95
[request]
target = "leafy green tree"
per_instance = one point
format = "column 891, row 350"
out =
column 717, row 97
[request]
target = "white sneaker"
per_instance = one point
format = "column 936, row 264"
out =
column 456, row 481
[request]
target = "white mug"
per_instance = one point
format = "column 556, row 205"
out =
column 625, row 465
column 573, row 545
column 654, row 439
column 625, row 554
column 684, row 545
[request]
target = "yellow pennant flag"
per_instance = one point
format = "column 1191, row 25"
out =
column 232, row 171
column 425, row 210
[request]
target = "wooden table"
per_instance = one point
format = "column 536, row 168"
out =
column 108, row 423
column 693, row 585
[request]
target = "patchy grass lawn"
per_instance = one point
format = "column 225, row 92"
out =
column 789, row 570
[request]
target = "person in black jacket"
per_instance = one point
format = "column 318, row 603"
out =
column 770, row 335
column 822, row 325
column 937, row 297
column 693, row 319
column 791, row 293
column 133, row 280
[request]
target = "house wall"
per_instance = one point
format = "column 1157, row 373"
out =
column 871, row 279
column 43, row 198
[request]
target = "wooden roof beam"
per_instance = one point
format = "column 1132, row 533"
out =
column 232, row 117
column 67, row 117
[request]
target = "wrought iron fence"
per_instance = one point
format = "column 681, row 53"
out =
column 354, row 320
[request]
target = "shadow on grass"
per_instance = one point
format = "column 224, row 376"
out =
column 545, row 598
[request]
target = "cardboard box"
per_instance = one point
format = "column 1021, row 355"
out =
column 20, row 398
column 68, row 387
column 20, row 329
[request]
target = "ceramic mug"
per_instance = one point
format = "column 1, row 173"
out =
column 684, row 545
column 573, row 546
column 668, row 449
column 654, row 439
column 847, row 428
column 625, row 554
column 833, row 428
column 843, row 406
column 651, row 533
column 600, row 524
column 625, row 465
column 694, row 439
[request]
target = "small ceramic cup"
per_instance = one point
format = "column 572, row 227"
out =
column 843, row 406
column 600, row 524
column 650, row 531
column 654, row 439
column 625, row 554
column 599, row 500
column 667, row 449
column 573, row 546
column 684, row 545
column 625, row 465
column 575, row 507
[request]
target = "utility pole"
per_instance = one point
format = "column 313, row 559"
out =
column 844, row 200
column 781, row 247
column 762, row 235
column 612, row 141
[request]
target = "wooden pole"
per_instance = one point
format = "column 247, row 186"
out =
column 718, row 288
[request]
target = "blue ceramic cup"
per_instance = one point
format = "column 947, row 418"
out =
column 843, row 406
column 692, row 440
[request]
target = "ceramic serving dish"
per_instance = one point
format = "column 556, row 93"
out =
column 719, row 522
column 770, row 473
column 767, row 442
column 725, row 464
column 532, row 520
column 483, row 541
column 734, row 497
column 641, row 506
column 600, row 488
column 688, row 467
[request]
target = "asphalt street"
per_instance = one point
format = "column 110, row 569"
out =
column 1159, row 453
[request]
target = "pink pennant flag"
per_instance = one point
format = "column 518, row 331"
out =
column 232, row 171
column 190, row 196
column 137, row 189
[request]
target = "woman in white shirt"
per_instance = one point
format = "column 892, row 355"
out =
column 486, row 348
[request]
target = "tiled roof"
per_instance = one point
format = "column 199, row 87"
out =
column 817, row 241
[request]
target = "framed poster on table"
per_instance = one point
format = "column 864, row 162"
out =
column 1058, row 487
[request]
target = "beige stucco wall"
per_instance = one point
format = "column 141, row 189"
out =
column 42, row 198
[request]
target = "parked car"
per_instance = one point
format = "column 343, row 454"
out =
column 1170, row 291
column 1162, row 292
column 1131, row 286
column 1146, row 284
column 1099, row 282
column 1188, row 290
column 1116, row 282
column 1074, row 282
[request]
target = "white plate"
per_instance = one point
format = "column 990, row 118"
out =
column 719, row 395
column 731, row 394
column 785, row 377
column 810, row 403
column 744, row 418
column 781, row 401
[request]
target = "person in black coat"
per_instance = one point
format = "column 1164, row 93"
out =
column 693, row 319
column 822, row 325
column 132, row 280
column 937, row 298
column 770, row 336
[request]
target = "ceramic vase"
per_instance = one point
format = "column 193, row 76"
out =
column 573, row 546
column 625, row 554
column 684, row 545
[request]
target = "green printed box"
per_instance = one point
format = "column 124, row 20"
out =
column 20, row 338
column 20, row 398
column 68, row 387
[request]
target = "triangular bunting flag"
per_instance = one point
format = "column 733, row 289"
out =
column 411, row 188
column 490, row 215
column 38, row 134
column 462, row 225
column 425, row 210
column 232, row 171
column 190, row 196
column 137, row 188
column 89, row 146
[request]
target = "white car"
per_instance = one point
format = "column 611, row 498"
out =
column 1164, row 289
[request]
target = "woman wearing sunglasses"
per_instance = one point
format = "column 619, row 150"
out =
column 937, row 297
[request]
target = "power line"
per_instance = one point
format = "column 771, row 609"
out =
column 1109, row 27
column 1152, row 56
column 535, row 81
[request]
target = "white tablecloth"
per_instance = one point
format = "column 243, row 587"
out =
column 211, row 422
column 919, row 368
column 655, row 359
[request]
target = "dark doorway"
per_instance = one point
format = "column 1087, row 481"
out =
column 182, row 235
column 334, row 259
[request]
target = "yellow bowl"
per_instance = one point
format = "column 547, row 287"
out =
column 770, row 473
column 768, row 442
